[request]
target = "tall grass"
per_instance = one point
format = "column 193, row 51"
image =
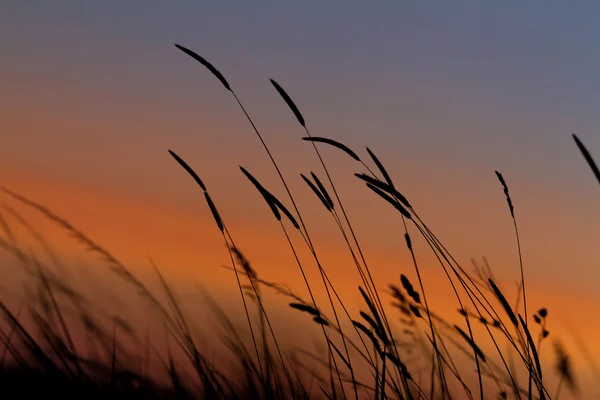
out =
column 428, row 356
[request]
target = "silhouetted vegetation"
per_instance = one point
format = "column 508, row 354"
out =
column 416, row 359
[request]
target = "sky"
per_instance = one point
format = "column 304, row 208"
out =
column 94, row 94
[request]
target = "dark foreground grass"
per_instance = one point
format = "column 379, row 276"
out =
column 493, row 352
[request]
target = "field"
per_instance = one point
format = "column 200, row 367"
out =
column 493, row 352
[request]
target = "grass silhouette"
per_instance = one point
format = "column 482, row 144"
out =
column 419, row 360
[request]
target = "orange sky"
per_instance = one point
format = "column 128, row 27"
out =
column 93, row 96
column 188, row 248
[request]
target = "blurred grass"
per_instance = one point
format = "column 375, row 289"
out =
column 493, row 352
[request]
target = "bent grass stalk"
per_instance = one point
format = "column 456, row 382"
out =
column 347, row 150
column 56, row 352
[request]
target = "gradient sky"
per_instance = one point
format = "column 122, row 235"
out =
column 93, row 94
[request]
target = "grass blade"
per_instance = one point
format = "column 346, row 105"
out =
column 532, row 345
column 289, row 102
column 504, row 303
column 317, row 192
column 287, row 213
column 323, row 190
column 390, row 200
column 188, row 169
column 383, row 171
column 471, row 343
column 306, row 308
column 508, row 200
column 333, row 143
column 264, row 192
column 213, row 210
column 208, row 65
column 588, row 157
column 385, row 187
column 535, row 357
column 273, row 202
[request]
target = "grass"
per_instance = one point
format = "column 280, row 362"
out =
column 428, row 356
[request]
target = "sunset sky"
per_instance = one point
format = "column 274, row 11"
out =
column 93, row 94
